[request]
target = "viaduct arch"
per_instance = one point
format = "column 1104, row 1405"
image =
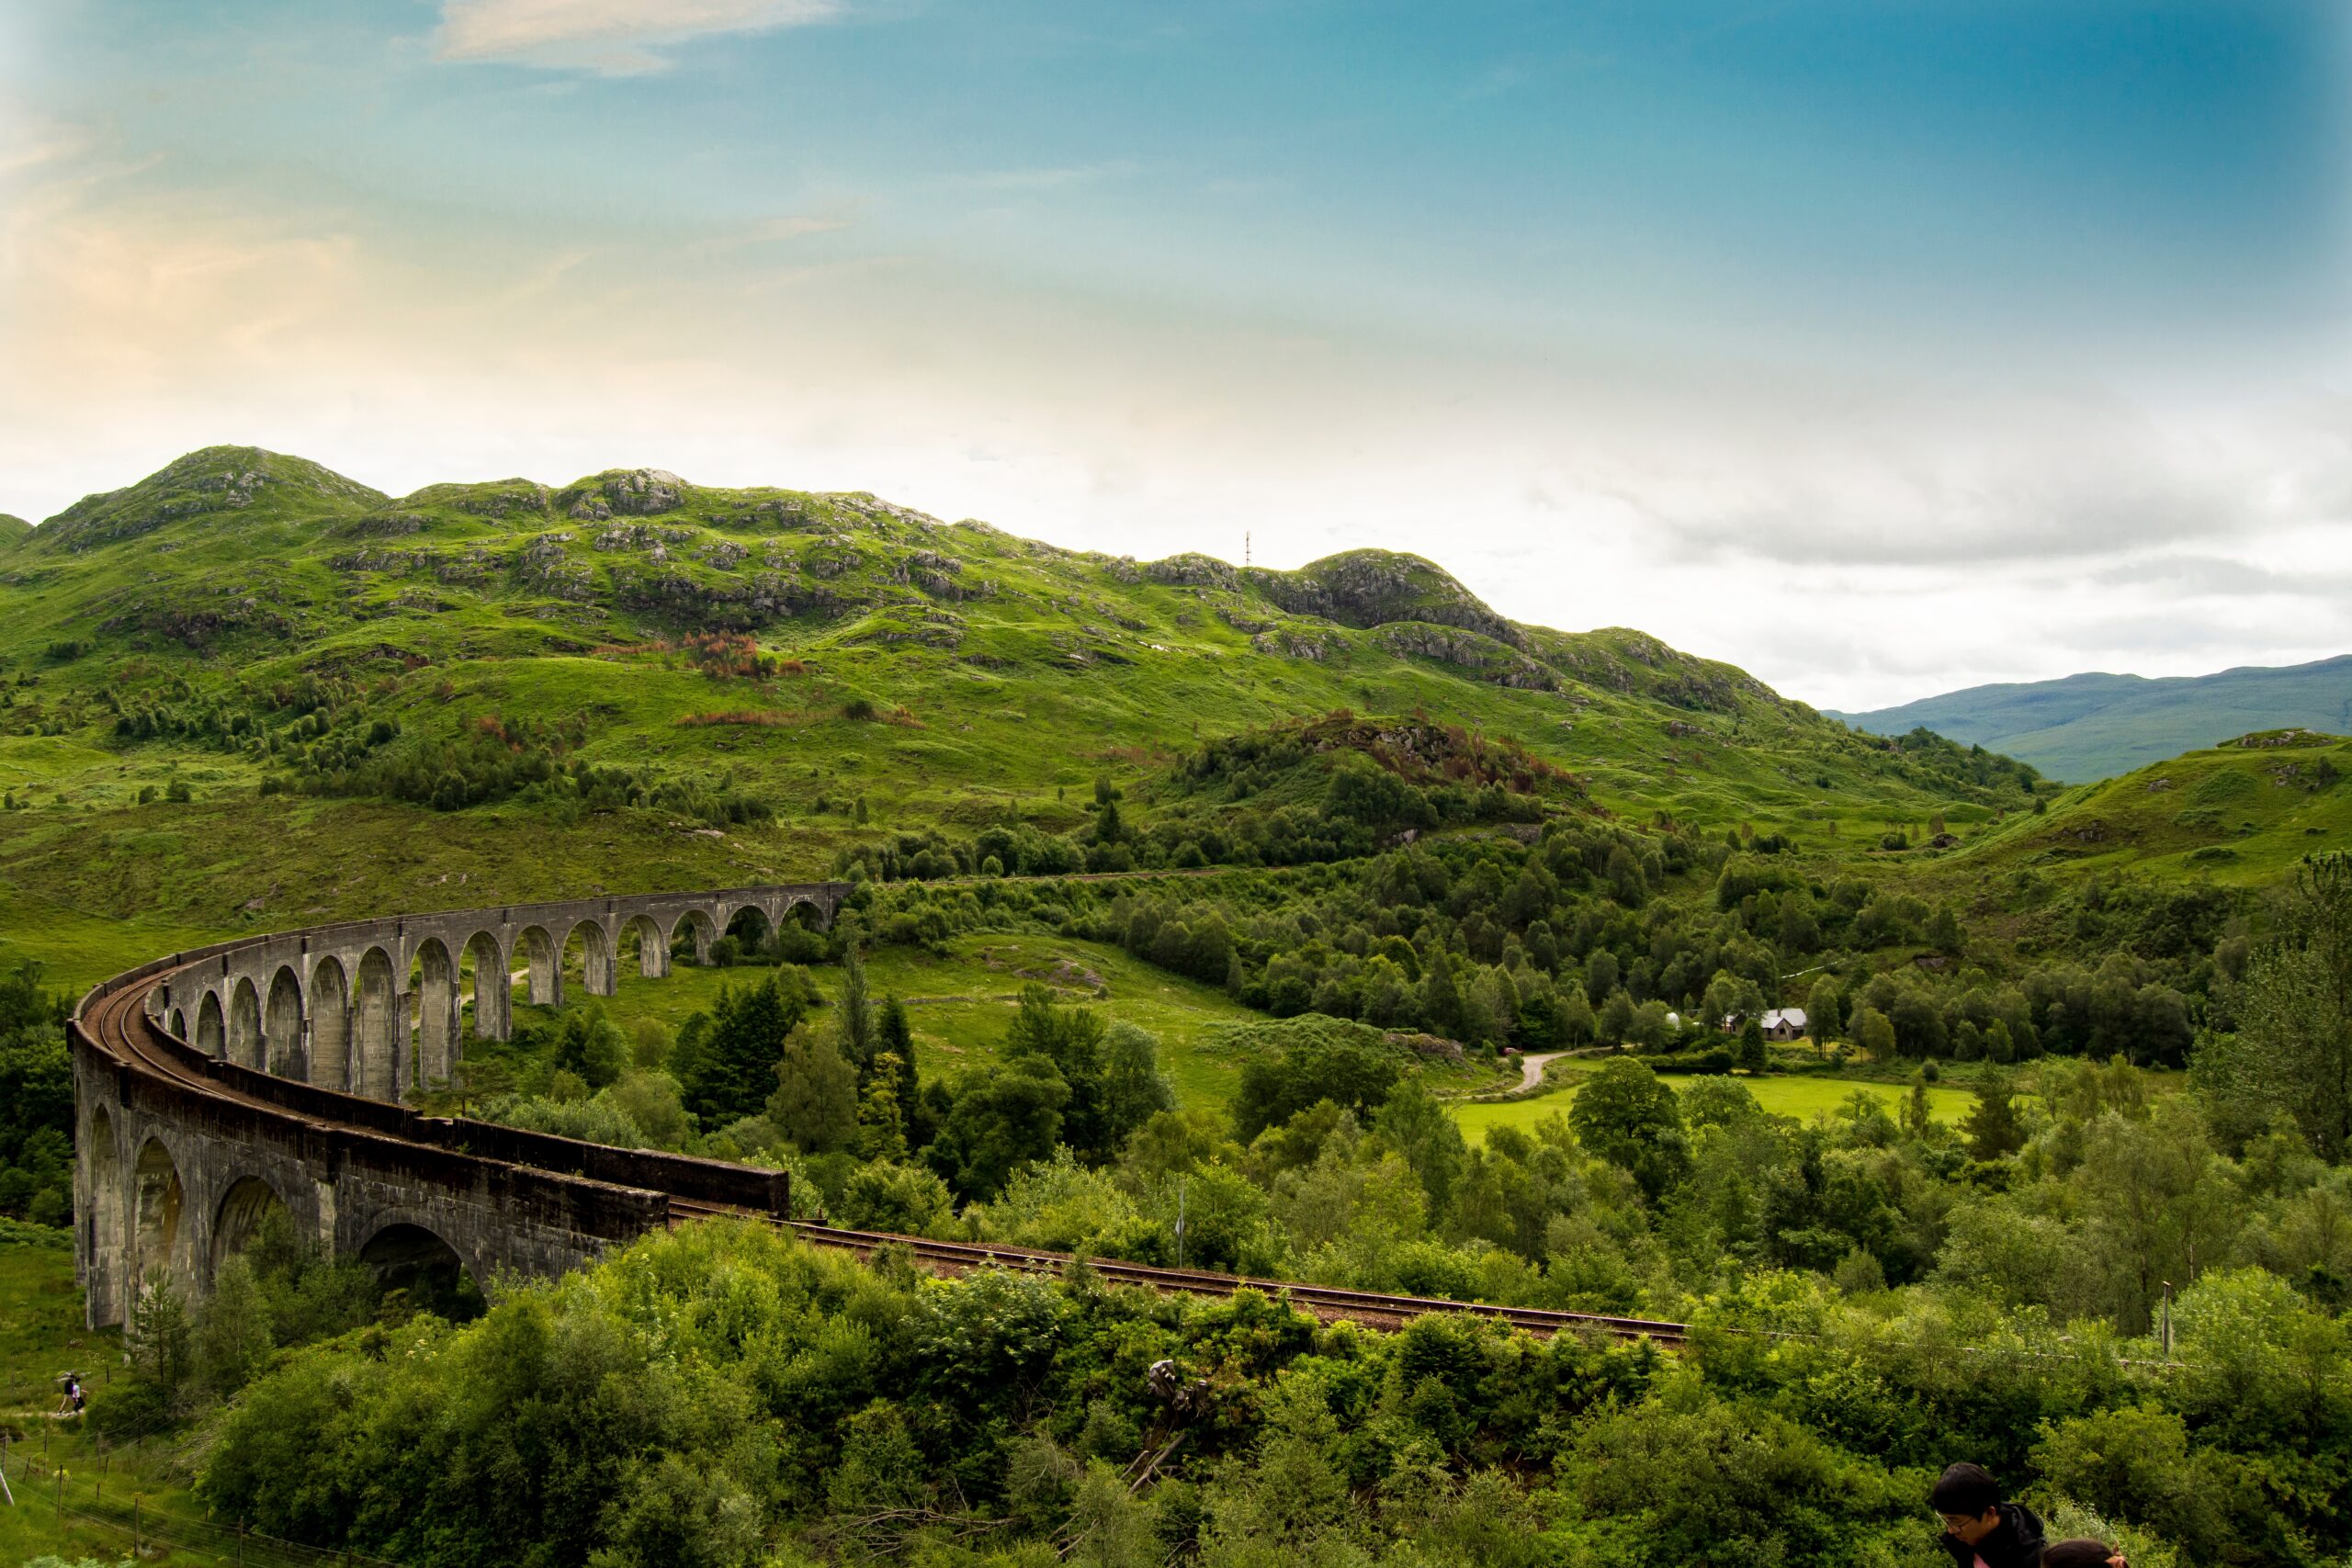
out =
column 216, row 1087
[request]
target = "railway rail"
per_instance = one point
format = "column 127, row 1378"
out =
column 1330, row 1302
column 114, row 1019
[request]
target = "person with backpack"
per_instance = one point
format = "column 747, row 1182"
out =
column 1980, row 1529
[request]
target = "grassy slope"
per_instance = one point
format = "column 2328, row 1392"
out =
column 41, row 1337
column 960, row 1004
column 1024, row 671
column 2237, row 816
column 2094, row 727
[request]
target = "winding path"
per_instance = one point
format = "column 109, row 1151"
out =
column 1530, row 1068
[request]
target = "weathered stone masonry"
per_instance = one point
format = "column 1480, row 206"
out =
column 214, row 1086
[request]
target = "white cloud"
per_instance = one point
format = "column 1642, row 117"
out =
column 611, row 38
column 1853, row 548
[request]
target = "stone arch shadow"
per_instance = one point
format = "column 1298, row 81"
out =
column 282, row 1019
column 246, row 1047
column 652, row 946
column 162, row 1234
column 697, row 930
column 249, row 1205
column 410, row 1252
column 493, row 989
column 330, row 1001
column 380, row 1034
column 542, row 959
column 598, row 945
column 433, row 979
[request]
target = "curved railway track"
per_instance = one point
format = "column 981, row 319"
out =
column 113, row 1016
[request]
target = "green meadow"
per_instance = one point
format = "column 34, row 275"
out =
column 1803, row 1098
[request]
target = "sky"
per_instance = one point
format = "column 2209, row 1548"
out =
column 1880, row 347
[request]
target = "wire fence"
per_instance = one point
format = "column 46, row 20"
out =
column 115, row 1503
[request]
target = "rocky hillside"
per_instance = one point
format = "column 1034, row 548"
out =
column 642, row 552
column 827, row 663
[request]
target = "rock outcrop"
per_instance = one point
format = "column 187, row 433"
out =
column 1482, row 656
column 1376, row 587
column 625, row 492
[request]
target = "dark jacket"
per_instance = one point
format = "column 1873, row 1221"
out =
column 2015, row 1541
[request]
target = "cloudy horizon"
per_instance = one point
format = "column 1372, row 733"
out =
column 1880, row 351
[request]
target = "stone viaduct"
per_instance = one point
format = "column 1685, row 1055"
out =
column 217, row 1086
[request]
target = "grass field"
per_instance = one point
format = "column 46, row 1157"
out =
column 75, row 950
column 1803, row 1098
column 41, row 1336
column 960, row 1004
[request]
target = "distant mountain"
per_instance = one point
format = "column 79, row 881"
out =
column 2094, row 727
column 12, row 529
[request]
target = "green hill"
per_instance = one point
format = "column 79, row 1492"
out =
column 13, row 530
column 688, row 681
column 2243, row 813
column 2094, row 727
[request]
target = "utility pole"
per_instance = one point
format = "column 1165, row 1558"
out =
column 2165, row 1330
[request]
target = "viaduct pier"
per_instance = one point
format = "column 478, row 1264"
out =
column 217, row 1086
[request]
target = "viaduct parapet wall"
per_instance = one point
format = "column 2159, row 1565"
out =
column 216, row 1087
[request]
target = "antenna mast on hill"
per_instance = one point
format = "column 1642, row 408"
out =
column 1245, row 547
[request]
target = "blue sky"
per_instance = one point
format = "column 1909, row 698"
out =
column 1995, row 319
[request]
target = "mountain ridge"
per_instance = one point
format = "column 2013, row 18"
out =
column 1419, row 608
column 2096, row 725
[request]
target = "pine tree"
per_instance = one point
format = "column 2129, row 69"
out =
column 1992, row 1127
column 815, row 1101
column 159, row 1337
column 232, row 1336
column 1442, row 997
column 881, row 1121
column 1916, row 1110
column 1576, row 1021
column 856, row 1021
column 1752, row 1055
column 730, row 1064
column 1616, row 1017
column 1824, row 1012
column 894, row 1036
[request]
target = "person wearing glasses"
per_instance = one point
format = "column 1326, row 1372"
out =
column 1980, row 1529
